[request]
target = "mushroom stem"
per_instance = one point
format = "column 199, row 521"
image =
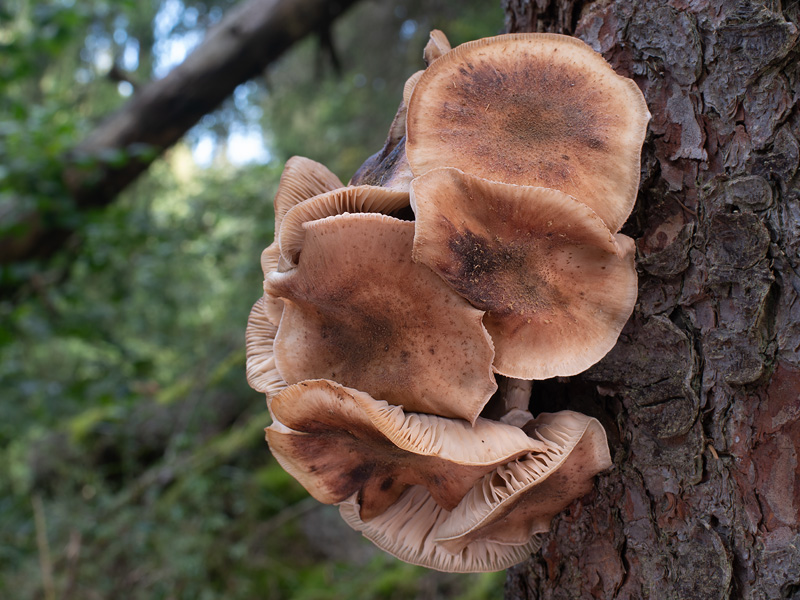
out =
column 515, row 393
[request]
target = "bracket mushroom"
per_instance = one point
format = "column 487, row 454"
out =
column 337, row 441
column 377, row 339
column 359, row 311
column 532, row 109
column 556, row 285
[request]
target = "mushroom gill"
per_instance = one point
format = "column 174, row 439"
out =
column 407, row 531
column 499, row 521
column 350, row 199
column 302, row 178
column 337, row 441
column 262, row 375
column 520, row 498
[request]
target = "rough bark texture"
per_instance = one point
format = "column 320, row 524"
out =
column 251, row 36
column 701, row 396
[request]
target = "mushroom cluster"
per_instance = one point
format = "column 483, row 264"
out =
column 482, row 239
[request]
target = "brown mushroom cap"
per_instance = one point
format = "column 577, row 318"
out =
column 359, row 311
column 260, row 366
column 409, row 86
column 337, row 441
column 556, row 285
column 302, row 178
column 270, row 258
column 271, row 262
column 351, row 199
column 390, row 171
column 520, row 498
column 438, row 45
column 407, row 530
column 533, row 109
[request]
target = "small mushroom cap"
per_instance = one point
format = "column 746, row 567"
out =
column 272, row 262
column 532, row 109
column 409, row 86
column 438, row 45
column 556, row 285
column 359, row 311
column 391, row 172
column 269, row 258
column 407, row 530
column 337, row 441
column 262, row 375
column 351, row 199
column 302, row 178
column 520, row 498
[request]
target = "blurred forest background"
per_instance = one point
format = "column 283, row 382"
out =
column 132, row 459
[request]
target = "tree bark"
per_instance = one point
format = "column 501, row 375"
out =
column 701, row 395
column 250, row 37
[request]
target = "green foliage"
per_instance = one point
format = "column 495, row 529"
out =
column 131, row 447
column 341, row 120
column 50, row 89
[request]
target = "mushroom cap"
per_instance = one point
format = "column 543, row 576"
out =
column 270, row 258
column 407, row 530
column 359, row 311
column 520, row 498
column 409, row 86
column 556, row 285
column 271, row 262
column 351, row 199
column 438, row 45
column 262, row 375
column 533, row 109
column 337, row 441
column 302, row 178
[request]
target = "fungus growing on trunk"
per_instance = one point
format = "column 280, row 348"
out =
column 526, row 152
column 556, row 285
column 360, row 312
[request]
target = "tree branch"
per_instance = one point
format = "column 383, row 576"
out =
column 251, row 36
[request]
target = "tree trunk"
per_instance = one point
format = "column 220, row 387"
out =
column 701, row 395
